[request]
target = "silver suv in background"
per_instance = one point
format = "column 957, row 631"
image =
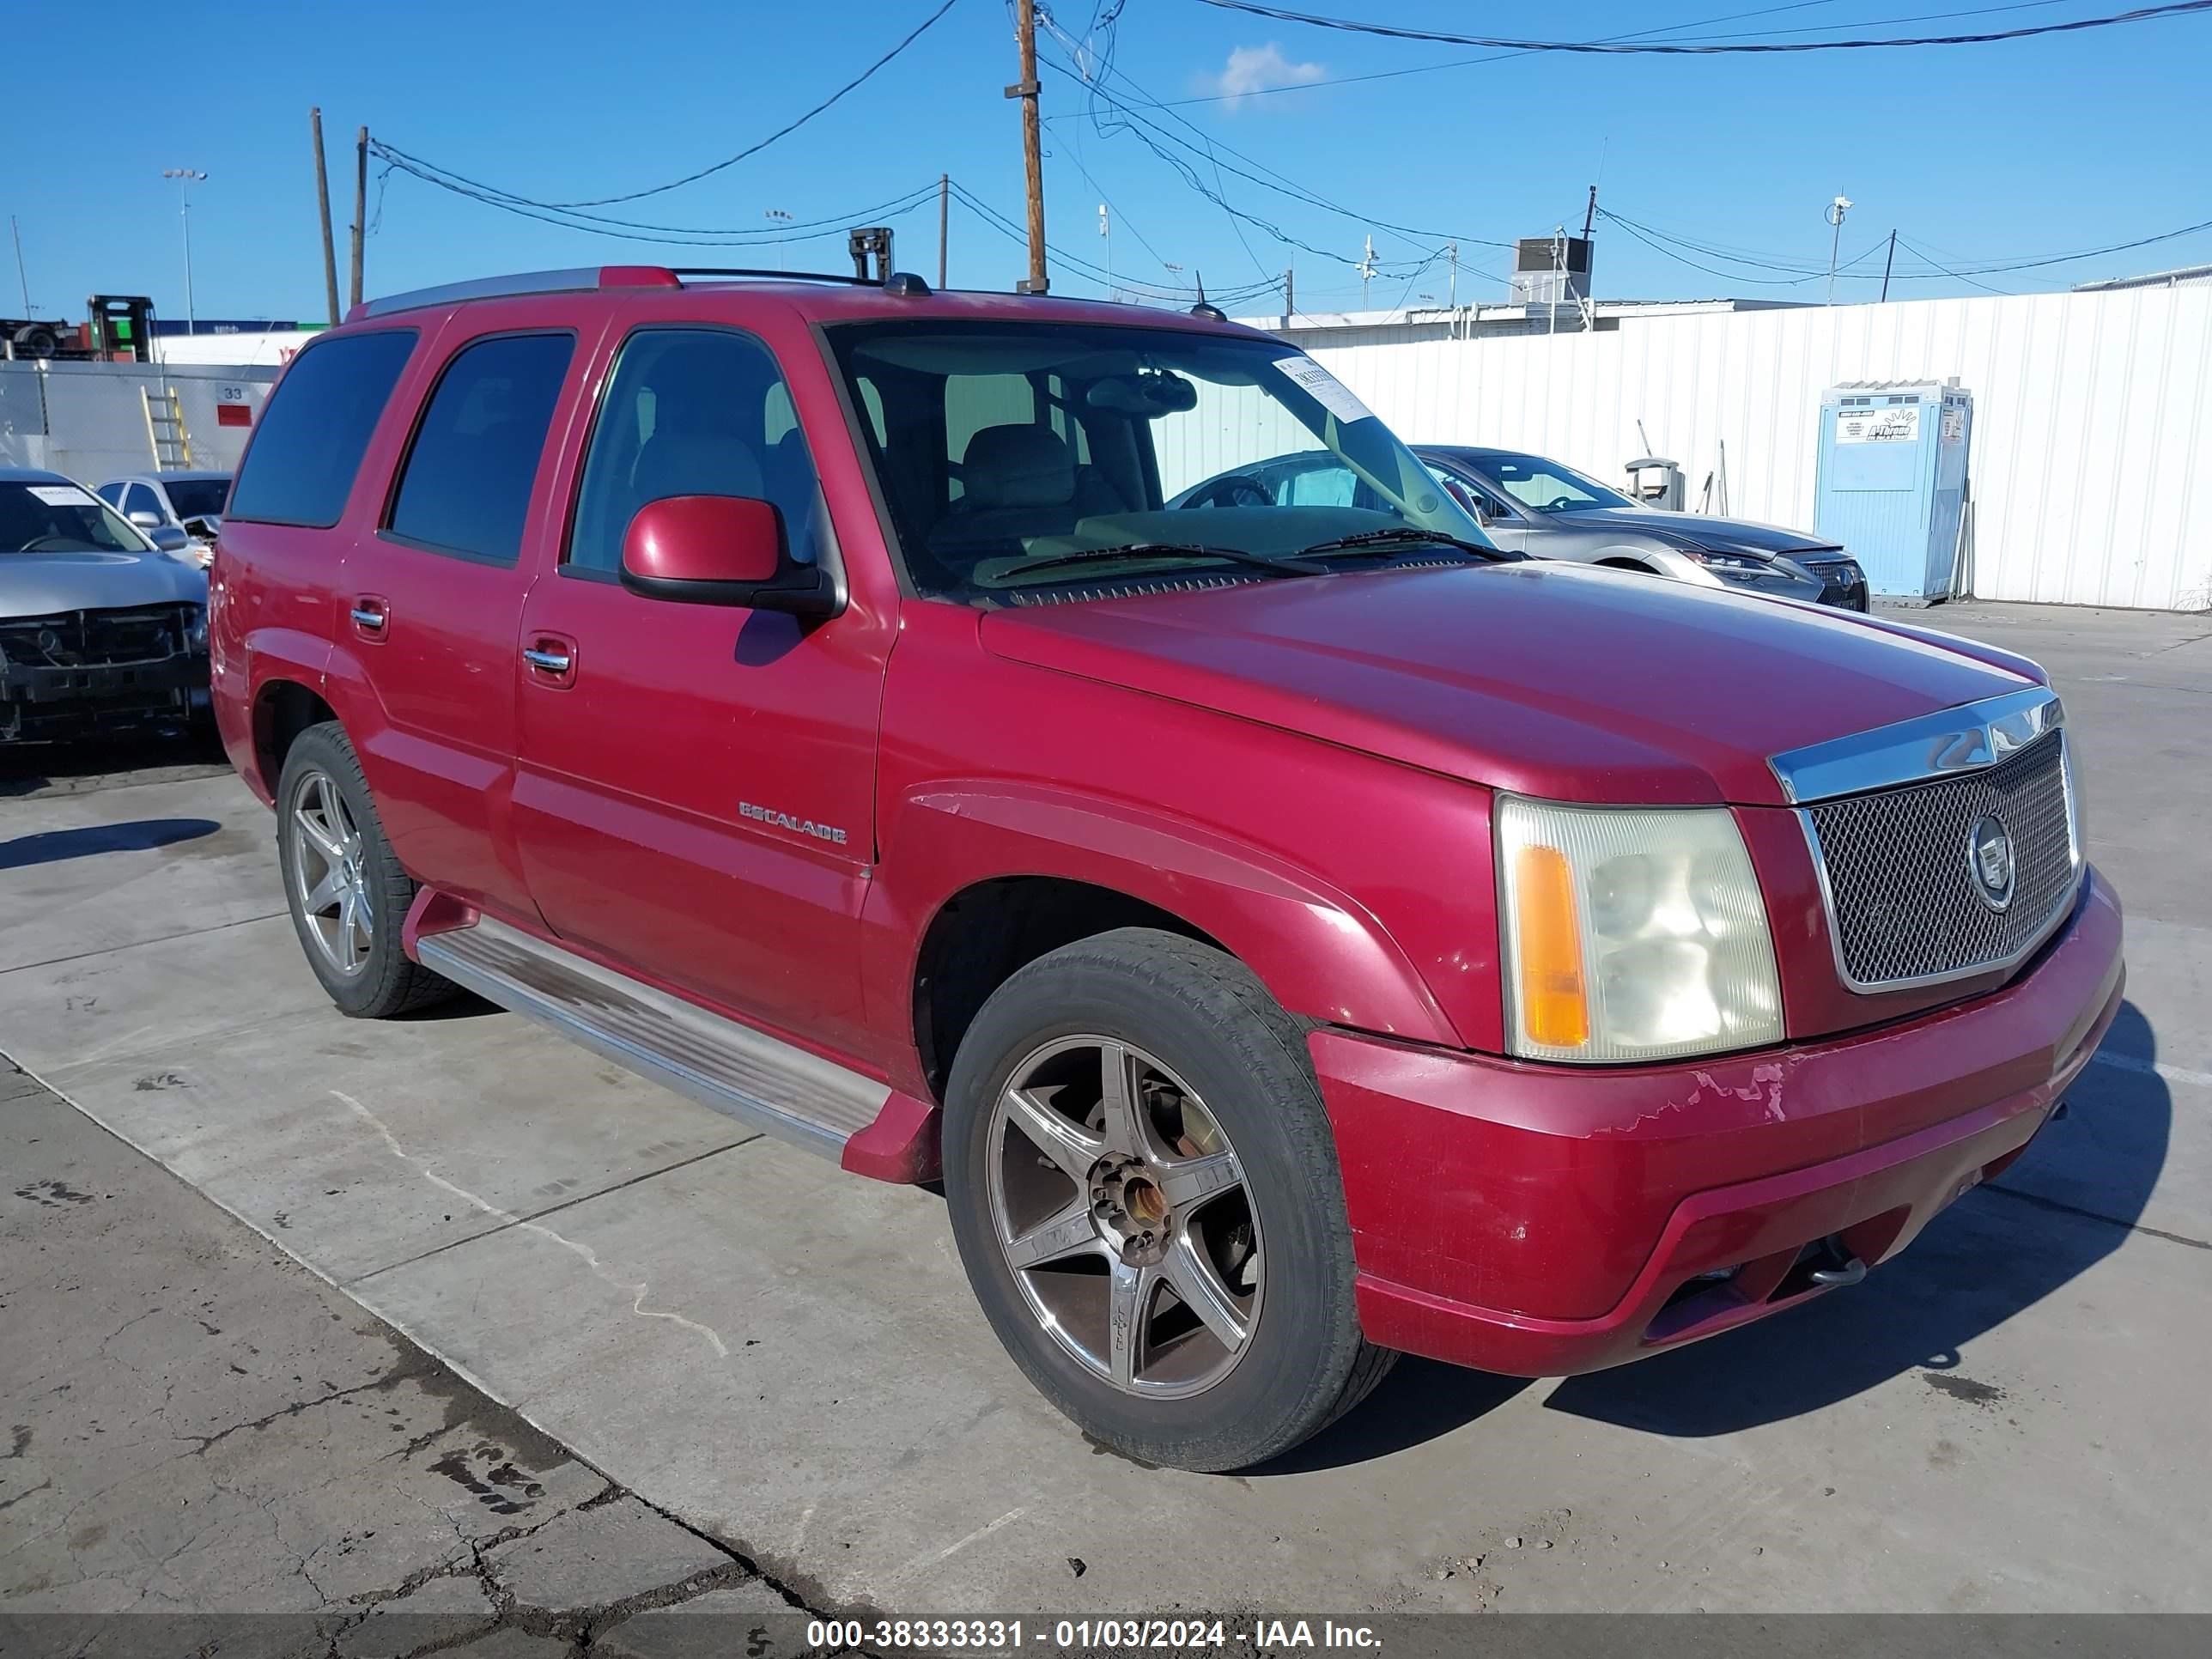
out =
column 1549, row 511
column 189, row 502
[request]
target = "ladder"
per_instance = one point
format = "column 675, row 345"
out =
column 165, row 429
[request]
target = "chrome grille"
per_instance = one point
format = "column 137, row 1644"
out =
column 1902, row 896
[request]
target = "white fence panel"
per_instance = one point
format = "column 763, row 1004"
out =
column 2093, row 417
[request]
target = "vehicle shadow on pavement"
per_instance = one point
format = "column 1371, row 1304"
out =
column 1420, row 1401
column 2066, row 1204
column 69, row 769
column 137, row 836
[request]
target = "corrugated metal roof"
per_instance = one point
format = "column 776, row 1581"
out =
column 2182, row 276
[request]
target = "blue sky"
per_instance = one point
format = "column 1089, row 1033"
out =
column 1976, row 154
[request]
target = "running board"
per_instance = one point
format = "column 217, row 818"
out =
column 762, row 1082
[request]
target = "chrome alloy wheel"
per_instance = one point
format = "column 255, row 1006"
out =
column 1122, row 1210
column 328, row 877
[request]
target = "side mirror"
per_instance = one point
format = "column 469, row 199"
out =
column 145, row 520
column 723, row 549
column 166, row 536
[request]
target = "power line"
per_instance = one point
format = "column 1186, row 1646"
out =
column 674, row 236
column 1962, row 268
column 1687, row 49
column 497, row 196
column 1469, row 62
column 1960, row 277
column 1006, row 228
column 1152, row 135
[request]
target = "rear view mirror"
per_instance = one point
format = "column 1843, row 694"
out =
column 1147, row 394
column 721, row 550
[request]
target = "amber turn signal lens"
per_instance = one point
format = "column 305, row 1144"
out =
column 1554, row 1005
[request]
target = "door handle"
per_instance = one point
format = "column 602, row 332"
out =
column 371, row 616
column 548, row 662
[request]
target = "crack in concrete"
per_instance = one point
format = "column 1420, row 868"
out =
column 2059, row 1207
column 589, row 1256
column 552, row 1209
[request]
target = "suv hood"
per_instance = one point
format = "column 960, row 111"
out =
column 1555, row 680
column 1721, row 535
column 39, row 584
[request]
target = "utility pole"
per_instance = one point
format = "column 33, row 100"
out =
column 943, row 222
column 1886, row 265
column 21, row 275
column 359, row 212
column 1366, row 270
column 1589, row 213
column 1106, row 234
column 187, row 177
column 1033, row 143
column 323, row 206
column 1837, row 209
column 1451, row 293
column 1290, row 305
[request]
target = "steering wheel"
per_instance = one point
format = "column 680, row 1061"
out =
column 38, row 544
column 1557, row 504
column 1235, row 489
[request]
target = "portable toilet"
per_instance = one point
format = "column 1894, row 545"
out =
column 1891, row 481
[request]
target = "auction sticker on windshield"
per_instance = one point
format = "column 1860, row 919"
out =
column 61, row 495
column 1324, row 387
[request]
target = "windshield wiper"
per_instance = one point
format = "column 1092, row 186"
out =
column 1202, row 551
column 1381, row 544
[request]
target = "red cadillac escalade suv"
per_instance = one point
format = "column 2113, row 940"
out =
column 1295, row 932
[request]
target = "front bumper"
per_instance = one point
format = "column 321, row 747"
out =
column 38, row 702
column 1547, row 1220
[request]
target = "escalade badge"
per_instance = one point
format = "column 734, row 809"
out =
column 1988, row 859
column 828, row 832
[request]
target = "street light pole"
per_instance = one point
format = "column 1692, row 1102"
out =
column 1837, row 209
column 777, row 215
column 187, row 177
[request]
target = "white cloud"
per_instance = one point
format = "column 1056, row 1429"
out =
column 1259, row 69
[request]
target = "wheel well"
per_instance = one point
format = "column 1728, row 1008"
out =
column 285, row 709
column 987, row 933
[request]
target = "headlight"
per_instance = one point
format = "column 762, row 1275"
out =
column 1631, row 933
column 1742, row 566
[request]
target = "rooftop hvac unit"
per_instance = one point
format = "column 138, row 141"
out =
column 1551, row 270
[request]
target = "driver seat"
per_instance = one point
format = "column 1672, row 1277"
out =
column 1017, row 481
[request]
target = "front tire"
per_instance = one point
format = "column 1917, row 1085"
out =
column 347, row 893
column 1145, row 1192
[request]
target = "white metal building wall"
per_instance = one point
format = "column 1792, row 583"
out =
column 86, row 419
column 2091, row 435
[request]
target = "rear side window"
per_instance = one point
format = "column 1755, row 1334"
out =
column 316, row 427
column 465, row 486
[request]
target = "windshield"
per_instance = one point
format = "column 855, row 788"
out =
column 1023, row 456
column 1546, row 486
column 60, row 518
column 197, row 498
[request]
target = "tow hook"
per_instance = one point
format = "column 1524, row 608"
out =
column 1850, row 1273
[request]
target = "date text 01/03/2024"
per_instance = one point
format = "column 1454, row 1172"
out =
column 1085, row 1635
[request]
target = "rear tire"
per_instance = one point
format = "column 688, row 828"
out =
column 1232, row 1190
column 348, row 894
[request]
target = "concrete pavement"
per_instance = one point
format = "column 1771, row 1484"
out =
column 195, row 1424
column 787, row 1360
